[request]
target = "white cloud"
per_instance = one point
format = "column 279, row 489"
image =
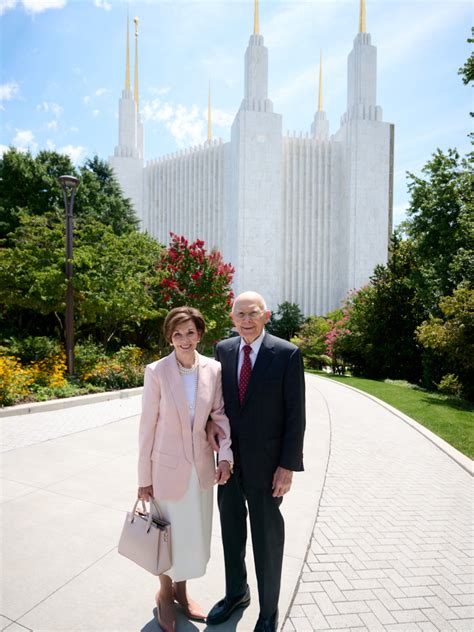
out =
column 75, row 152
column 100, row 91
column 5, row 5
column 86, row 99
column 24, row 140
column 103, row 4
column 220, row 117
column 156, row 110
column 52, row 125
column 50, row 145
column 37, row 6
column 187, row 126
column 95, row 113
column 3, row 149
column 8, row 91
column 46, row 106
column 160, row 91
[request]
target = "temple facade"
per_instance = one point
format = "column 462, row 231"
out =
column 302, row 218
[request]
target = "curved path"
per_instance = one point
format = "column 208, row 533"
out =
column 392, row 545
column 379, row 526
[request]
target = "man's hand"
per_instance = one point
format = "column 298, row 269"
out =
column 281, row 481
column 213, row 434
column 145, row 493
column 222, row 472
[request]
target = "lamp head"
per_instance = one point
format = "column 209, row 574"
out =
column 68, row 182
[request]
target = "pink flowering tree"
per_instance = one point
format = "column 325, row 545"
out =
column 338, row 322
column 189, row 275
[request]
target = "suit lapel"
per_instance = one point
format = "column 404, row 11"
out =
column 229, row 369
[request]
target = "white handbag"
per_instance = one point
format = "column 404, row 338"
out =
column 146, row 539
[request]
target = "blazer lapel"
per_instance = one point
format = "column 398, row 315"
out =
column 202, row 395
column 233, row 360
column 179, row 396
column 264, row 359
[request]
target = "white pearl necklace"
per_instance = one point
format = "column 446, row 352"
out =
column 185, row 370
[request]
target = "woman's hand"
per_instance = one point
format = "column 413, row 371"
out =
column 222, row 472
column 145, row 493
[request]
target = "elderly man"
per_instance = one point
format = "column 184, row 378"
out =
column 264, row 396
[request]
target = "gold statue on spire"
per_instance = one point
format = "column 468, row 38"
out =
column 362, row 17
column 256, row 26
column 127, row 58
column 209, row 119
column 135, row 91
column 320, row 95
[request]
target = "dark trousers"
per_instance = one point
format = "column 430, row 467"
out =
column 268, row 538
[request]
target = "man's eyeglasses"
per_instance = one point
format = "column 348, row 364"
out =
column 255, row 315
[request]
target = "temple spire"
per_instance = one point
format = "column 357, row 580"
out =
column 320, row 95
column 127, row 58
column 256, row 26
column 135, row 91
column 209, row 119
column 362, row 17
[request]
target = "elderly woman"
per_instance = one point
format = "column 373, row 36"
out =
column 176, row 463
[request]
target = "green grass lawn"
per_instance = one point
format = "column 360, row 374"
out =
column 450, row 418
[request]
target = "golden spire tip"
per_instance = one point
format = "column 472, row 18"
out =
column 135, row 90
column 256, row 25
column 362, row 17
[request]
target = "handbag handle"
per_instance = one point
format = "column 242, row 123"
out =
column 150, row 515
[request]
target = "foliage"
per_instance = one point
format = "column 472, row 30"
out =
column 15, row 380
column 311, row 339
column 286, row 321
column 450, row 385
column 30, row 185
column 451, row 337
column 33, row 348
column 87, row 354
column 193, row 277
column 383, row 317
column 467, row 71
column 123, row 370
column 114, row 276
column 441, row 225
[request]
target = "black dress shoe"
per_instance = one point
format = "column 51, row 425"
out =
column 225, row 607
column 267, row 625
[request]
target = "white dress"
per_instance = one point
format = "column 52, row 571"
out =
column 191, row 516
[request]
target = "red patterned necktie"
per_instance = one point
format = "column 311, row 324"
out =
column 245, row 372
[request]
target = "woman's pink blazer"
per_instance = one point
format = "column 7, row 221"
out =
column 167, row 444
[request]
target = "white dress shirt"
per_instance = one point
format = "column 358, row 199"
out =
column 255, row 346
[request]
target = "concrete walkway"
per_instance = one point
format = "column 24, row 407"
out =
column 379, row 526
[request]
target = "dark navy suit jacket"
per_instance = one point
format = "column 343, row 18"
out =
column 268, row 429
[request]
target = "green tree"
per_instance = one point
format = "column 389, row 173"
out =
column 115, row 278
column 30, row 185
column 440, row 224
column 383, row 317
column 193, row 277
column 286, row 321
column 311, row 339
column 451, row 337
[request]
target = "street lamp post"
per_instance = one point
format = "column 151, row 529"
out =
column 69, row 185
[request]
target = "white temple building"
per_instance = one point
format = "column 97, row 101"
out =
column 302, row 218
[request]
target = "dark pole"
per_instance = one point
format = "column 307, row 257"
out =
column 69, row 186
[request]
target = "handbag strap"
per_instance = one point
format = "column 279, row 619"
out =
column 155, row 504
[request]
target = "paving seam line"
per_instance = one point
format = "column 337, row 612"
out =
column 65, row 584
column 308, row 548
column 455, row 455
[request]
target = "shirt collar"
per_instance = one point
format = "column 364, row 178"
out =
column 256, row 344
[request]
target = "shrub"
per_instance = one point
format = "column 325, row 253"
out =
column 123, row 370
column 87, row 355
column 450, row 385
column 15, row 381
column 33, row 348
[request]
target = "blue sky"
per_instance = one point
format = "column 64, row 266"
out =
column 62, row 70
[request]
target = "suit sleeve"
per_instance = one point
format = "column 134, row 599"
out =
column 295, row 416
column 148, row 421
